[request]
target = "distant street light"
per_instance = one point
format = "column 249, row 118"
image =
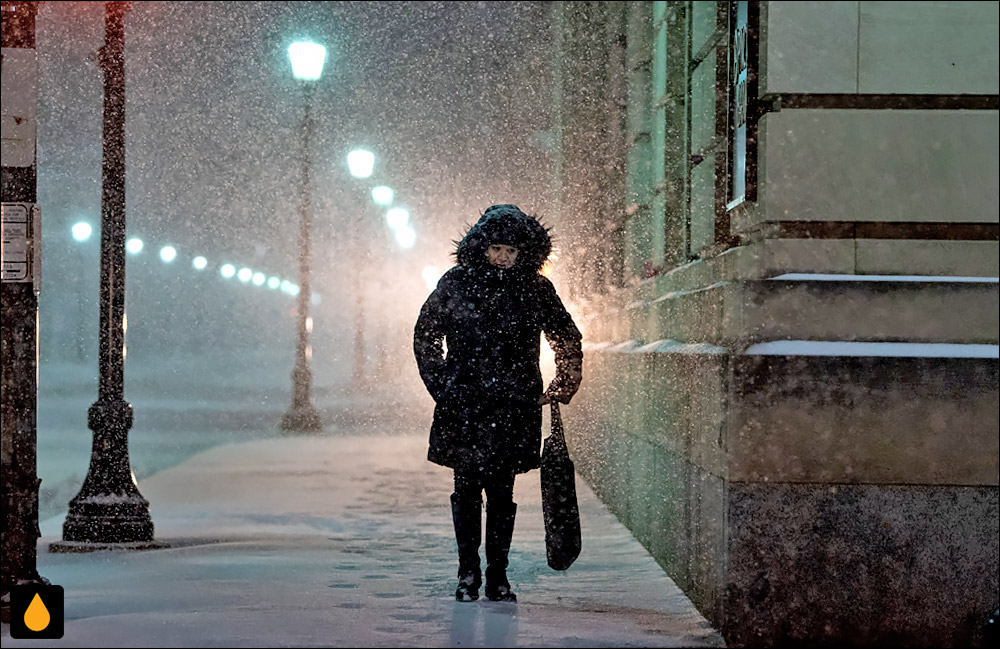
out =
column 307, row 60
column 382, row 195
column 168, row 254
column 199, row 263
column 406, row 237
column 431, row 276
column 134, row 246
column 82, row 231
column 307, row 66
column 397, row 218
column 227, row 270
column 361, row 163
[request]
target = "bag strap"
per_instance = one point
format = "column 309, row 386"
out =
column 557, row 425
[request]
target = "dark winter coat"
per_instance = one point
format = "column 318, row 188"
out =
column 488, row 384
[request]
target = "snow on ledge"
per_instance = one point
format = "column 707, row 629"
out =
column 608, row 346
column 841, row 348
column 657, row 347
column 673, row 347
column 692, row 291
column 626, row 346
column 821, row 277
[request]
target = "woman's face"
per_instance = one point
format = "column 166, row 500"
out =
column 501, row 255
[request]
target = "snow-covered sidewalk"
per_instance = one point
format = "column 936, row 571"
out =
column 346, row 540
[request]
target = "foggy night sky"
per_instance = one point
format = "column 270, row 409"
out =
column 448, row 95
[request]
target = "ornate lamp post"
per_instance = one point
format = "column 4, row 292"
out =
column 307, row 66
column 109, row 509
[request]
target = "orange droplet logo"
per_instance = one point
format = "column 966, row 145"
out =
column 37, row 616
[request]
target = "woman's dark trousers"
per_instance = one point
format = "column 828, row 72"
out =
column 466, row 509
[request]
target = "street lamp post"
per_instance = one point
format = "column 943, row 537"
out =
column 307, row 66
column 109, row 509
column 81, row 234
column 361, row 164
column 382, row 196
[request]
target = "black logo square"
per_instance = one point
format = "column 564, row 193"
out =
column 36, row 611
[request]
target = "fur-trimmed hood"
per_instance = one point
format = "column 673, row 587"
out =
column 505, row 224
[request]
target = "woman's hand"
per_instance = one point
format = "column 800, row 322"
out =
column 554, row 394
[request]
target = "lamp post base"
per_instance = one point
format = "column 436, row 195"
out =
column 109, row 508
column 78, row 547
column 108, row 518
column 302, row 419
column 302, row 416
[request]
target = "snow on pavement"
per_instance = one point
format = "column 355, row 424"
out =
column 346, row 540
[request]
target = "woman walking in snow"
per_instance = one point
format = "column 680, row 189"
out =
column 489, row 310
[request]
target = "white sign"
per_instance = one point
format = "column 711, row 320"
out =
column 19, row 101
column 18, row 234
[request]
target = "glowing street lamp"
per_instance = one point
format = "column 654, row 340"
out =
column 361, row 163
column 82, row 231
column 431, row 276
column 307, row 60
column 406, row 237
column 397, row 218
column 134, row 246
column 382, row 195
column 168, row 254
column 307, row 66
column 199, row 263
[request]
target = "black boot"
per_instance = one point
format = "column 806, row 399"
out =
column 499, row 530
column 468, row 520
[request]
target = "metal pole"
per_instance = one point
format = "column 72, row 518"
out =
column 302, row 416
column 360, row 263
column 80, row 332
column 384, row 319
column 19, row 337
column 109, row 508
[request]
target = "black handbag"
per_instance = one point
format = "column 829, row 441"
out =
column 559, row 508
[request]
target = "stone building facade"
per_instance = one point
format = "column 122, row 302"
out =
column 781, row 224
